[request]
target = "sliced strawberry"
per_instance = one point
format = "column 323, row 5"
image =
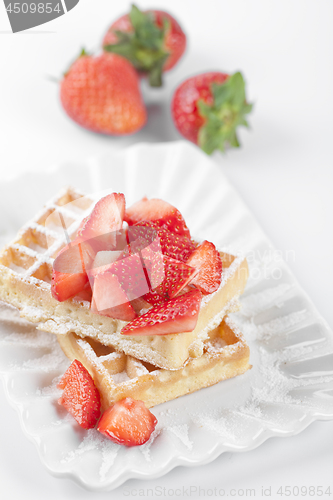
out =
column 131, row 275
column 69, row 276
column 179, row 314
column 159, row 211
column 86, row 293
column 80, row 397
column 103, row 222
column 173, row 245
column 139, row 305
column 207, row 260
column 109, row 298
column 102, row 262
column 104, row 258
column 176, row 276
column 127, row 422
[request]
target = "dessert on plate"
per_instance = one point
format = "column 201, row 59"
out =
column 131, row 297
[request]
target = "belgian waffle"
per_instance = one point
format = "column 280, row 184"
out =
column 25, row 277
column 117, row 375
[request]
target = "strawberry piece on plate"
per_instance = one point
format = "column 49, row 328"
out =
column 173, row 245
column 160, row 212
column 207, row 260
column 105, row 219
column 176, row 276
column 69, row 275
column 80, row 396
column 179, row 314
column 127, row 422
column 109, row 298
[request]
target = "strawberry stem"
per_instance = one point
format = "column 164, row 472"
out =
column 225, row 114
column 144, row 46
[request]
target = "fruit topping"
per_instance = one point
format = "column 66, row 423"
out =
column 179, row 314
column 159, row 211
column 105, row 219
column 69, row 276
column 207, row 260
column 176, row 276
column 110, row 299
column 173, row 245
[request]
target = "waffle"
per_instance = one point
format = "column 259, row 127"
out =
column 25, row 282
column 118, row 375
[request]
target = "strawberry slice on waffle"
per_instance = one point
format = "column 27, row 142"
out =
column 179, row 314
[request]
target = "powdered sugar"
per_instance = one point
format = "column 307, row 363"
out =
column 257, row 302
column 181, row 432
column 118, row 378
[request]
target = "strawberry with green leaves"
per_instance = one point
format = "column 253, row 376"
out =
column 208, row 108
column 103, row 94
column 152, row 41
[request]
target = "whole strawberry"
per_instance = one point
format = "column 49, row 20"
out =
column 103, row 94
column 152, row 41
column 208, row 108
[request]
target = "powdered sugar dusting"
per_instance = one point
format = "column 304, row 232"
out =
column 145, row 448
column 181, row 432
column 120, row 377
column 92, row 440
column 258, row 302
column 212, row 421
column 51, row 391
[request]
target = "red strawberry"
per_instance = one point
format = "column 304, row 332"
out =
column 105, row 219
column 160, row 212
column 179, row 314
column 109, row 298
column 102, row 94
column 80, row 397
column 173, row 245
column 176, row 276
column 69, row 276
column 152, row 41
column 127, row 422
column 131, row 275
column 207, row 260
column 86, row 293
column 208, row 108
column 139, row 304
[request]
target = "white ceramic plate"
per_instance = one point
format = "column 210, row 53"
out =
column 290, row 385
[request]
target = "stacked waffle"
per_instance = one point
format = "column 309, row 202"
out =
column 122, row 362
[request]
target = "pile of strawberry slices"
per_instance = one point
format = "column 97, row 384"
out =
column 138, row 259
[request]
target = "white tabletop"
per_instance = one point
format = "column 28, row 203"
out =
column 284, row 172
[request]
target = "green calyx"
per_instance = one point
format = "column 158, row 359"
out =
column 144, row 47
column 224, row 116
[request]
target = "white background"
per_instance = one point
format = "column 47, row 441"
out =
column 284, row 172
